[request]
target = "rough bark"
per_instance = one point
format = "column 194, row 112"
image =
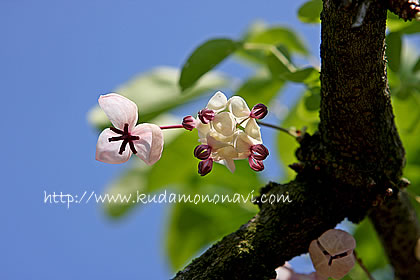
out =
column 346, row 169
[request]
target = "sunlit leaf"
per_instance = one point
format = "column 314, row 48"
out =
column 312, row 99
column 310, row 11
column 396, row 24
column 369, row 248
column 204, row 58
column 259, row 89
column 417, row 66
column 304, row 75
column 298, row 118
column 279, row 35
column 277, row 66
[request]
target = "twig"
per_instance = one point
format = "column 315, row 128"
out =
column 359, row 261
column 288, row 131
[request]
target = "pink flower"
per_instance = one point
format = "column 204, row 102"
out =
column 144, row 140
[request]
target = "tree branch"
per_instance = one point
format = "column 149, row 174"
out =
column 398, row 228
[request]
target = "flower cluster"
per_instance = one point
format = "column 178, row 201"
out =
column 228, row 131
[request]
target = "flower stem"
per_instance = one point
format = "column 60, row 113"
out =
column 171, row 126
column 288, row 131
column 359, row 261
column 273, row 49
column 243, row 121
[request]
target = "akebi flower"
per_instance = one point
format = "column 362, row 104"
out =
column 117, row 144
column 228, row 131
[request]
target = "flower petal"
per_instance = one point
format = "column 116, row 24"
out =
column 224, row 123
column 243, row 145
column 217, row 141
column 150, row 145
column 253, row 130
column 226, row 155
column 202, row 129
column 340, row 267
column 238, row 107
column 119, row 110
column 230, row 164
column 217, row 102
column 108, row 151
column 337, row 241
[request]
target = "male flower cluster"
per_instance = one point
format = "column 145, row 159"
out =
column 228, row 131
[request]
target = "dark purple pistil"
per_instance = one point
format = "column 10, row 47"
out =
column 126, row 137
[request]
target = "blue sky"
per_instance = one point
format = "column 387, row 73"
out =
column 56, row 58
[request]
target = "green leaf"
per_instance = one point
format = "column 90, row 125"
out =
column 157, row 92
column 312, row 99
column 259, row 89
column 302, row 75
column 280, row 35
column 368, row 247
column 417, row 66
column 406, row 81
column 204, row 58
column 412, row 28
column 127, row 185
column 407, row 118
column 396, row 24
column 393, row 51
column 166, row 172
column 310, row 11
column 277, row 66
column 298, row 117
column 193, row 227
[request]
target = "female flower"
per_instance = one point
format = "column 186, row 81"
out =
column 144, row 140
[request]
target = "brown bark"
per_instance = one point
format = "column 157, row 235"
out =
column 347, row 167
